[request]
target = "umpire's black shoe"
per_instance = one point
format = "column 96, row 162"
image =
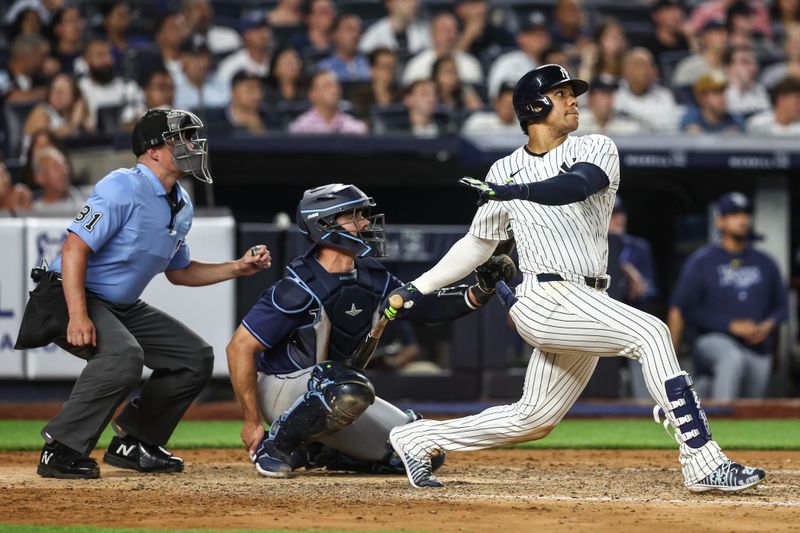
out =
column 136, row 455
column 65, row 463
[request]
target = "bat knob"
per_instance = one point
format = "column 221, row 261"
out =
column 396, row 301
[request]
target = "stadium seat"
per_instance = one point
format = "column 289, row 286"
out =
column 394, row 119
column 368, row 10
column 668, row 61
column 14, row 114
column 138, row 62
column 288, row 111
column 434, row 7
column 109, row 119
column 683, row 95
column 349, row 88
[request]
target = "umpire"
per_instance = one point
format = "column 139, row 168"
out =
column 133, row 227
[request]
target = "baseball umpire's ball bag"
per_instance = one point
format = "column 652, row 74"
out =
column 46, row 316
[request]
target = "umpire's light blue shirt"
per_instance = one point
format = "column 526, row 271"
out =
column 125, row 223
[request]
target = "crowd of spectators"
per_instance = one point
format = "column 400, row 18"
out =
column 420, row 67
column 728, row 66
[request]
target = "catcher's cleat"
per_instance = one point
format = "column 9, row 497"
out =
column 272, row 462
column 336, row 461
column 730, row 477
column 136, row 455
column 62, row 462
column 419, row 472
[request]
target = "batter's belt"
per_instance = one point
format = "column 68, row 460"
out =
column 601, row 283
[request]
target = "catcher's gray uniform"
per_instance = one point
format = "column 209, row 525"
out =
column 364, row 439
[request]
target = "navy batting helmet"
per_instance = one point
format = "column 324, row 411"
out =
column 317, row 213
column 530, row 102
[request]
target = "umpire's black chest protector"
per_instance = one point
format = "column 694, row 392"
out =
column 349, row 305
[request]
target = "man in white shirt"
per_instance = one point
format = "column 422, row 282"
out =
column 791, row 66
column 170, row 33
column 501, row 120
column 400, row 30
column 102, row 88
column 641, row 98
column 784, row 117
column 254, row 57
column 56, row 193
column 444, row 36
column 745, row 95
column 533, row 40
column 599, row 117
column 713, row 42
column 199, row 87
column 200, row 17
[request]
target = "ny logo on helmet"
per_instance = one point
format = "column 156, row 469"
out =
column 564, row 72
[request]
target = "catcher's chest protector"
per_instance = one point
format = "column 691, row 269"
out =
column 349, row 305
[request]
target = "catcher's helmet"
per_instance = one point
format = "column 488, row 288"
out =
column 530, row 102
column 317, row 213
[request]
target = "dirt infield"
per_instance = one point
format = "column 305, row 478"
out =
column 502, row 491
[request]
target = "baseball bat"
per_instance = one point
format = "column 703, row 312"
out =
column 363, row 353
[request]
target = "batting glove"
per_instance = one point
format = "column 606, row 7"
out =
column 409, row 293
column 490, row 191
column 497, row 268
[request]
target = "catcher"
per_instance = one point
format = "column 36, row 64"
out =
column 291, row 359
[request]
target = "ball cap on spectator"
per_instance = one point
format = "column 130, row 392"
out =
column 619, row 206
column 713, row 24
column 506, row 86
column 733, row 202
column 710, row 82
column 534, row 21
column 192, row 46
column 604, row 82
column 661, row 4
column 251, row 22
column 244, row 75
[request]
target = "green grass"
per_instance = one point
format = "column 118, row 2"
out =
column 646, row 434
column 600, row 434
column 8, row 528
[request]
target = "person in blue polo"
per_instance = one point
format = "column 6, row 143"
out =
column 133, row 227
column 733, row 298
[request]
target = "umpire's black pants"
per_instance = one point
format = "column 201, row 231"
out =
column 128, row 338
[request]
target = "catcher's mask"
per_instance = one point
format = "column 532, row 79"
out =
column 181, row 130
column 320, row 207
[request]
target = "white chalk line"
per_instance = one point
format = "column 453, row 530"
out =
column 621, row 499
column 778, row 471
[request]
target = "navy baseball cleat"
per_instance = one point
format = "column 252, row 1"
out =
column 272, row 462
column 419, row 473
column 136, row 455
column 730, row 477
column 62, row 462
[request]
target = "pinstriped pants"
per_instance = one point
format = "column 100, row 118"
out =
column 570, row 325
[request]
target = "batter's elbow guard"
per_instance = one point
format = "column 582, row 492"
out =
column 505, row 294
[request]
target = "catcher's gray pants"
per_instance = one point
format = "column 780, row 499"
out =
column 364, row 439
column 736, row 370
column 128, row 338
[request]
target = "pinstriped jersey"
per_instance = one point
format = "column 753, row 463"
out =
column 570, row 238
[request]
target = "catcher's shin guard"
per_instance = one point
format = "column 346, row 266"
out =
column 336, row 397
column 684, row 412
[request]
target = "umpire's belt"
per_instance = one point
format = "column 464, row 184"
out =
column 600, row 284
